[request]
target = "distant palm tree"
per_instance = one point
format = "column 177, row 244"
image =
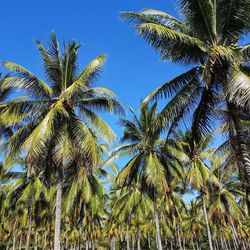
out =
column 207, row 36
column 199, row 173
column 146, row 166
column 59, row 118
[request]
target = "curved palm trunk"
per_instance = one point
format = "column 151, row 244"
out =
column 29, row 233
column 58, row 216
column 207, row 224
column 157, row 227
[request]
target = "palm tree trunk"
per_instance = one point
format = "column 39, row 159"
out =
column 14, row 241
column 179, row 236
column 127, row 238
column 58, row 216
column 138, row 240
column 171, row 244
column 87, row 245
column 8, row 244
column 29, row 232
column 234, row 234
column 112, row 247
column 207, row 224
column 192, row 242
column 45, row 241
column 20, row 242
column 80, row 237
column 157, row 227
column 36, row 235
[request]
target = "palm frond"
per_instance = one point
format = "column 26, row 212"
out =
column 27, row 81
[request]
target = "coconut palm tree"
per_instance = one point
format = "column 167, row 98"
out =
column 198, row 173
column 206, row 36
column 24, row 193
column 148, row 163
column 58, row 116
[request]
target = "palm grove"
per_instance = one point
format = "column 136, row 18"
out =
column 67, row 192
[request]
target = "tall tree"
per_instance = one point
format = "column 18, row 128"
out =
column 207, row 36
column 58, row 117
column 146, row 166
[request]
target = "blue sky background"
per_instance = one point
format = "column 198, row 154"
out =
column 133, row 68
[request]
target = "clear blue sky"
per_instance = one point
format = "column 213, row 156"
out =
column 133, row 68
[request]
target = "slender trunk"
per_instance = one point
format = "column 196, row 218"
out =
column 20, row 242
column 138, row 240
column 36, row 235
column 112, row 247
column 192, row 241
column 179, row 236
column 58, row 216
column 8, row 244
column 127, row 238
column 80, row 238
column 14, row 241
column 207, row 224
column 225, row 242
column 157, row 227
column 244, row 245
column 29, row 232
column 234, row 234
column 171, row 244
column 221, row 241
column 216, row 243
column 45, row 241
column 87, row 245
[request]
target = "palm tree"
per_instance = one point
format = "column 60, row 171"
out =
column 147, row 165
column 207, row 37
column 5, row 93
column 198, row 174
column 24, row 192
column 58, row 117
